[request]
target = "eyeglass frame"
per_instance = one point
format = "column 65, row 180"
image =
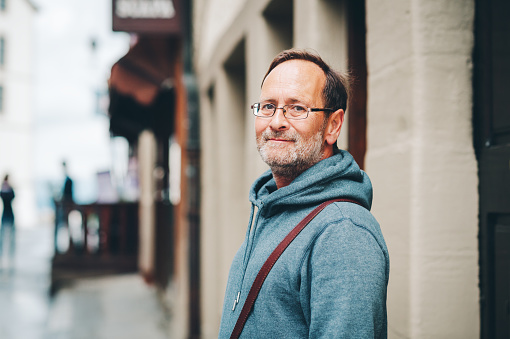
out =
column 308, row 111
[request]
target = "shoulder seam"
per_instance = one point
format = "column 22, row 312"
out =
column 338, row 221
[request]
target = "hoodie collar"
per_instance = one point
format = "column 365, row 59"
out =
column 338, row 176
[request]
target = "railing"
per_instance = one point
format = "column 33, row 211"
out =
column 94, row 239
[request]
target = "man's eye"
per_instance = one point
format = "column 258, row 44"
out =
column 267, row 107
column 298, row 108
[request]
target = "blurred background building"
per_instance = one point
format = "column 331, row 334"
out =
column 16, row 104
column 74, row 50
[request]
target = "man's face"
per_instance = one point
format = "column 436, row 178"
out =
column 292, row 145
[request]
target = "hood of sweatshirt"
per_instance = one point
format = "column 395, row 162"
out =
column 338, row 176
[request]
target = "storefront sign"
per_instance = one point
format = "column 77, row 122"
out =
column 147, row 16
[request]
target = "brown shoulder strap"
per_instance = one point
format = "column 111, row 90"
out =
column 268, row 265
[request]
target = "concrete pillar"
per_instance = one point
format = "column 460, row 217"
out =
column 147, row 160
column 422, row 163
column 210, row 251
column 322, row 26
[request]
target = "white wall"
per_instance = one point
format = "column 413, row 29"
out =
column 16, row 121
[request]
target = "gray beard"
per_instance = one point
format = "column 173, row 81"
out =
column 291, row 163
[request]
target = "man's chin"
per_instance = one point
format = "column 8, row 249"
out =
column 274, row 158
column 278, row 161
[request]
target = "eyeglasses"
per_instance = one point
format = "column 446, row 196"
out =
column 293, row 111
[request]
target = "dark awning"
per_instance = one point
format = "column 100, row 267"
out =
column 142, row 92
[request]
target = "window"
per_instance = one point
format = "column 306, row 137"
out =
column 2, row 50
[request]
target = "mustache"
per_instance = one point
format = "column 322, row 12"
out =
column 268, row 134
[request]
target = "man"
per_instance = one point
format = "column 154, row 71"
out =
column 331, row 281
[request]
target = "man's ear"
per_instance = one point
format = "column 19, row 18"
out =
column 335, row 122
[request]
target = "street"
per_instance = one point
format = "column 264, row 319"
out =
column 121, row 306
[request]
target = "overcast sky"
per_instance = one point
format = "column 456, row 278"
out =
column 68, row 73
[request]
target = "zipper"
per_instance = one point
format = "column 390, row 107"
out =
column 236, row 300
column 250, row 235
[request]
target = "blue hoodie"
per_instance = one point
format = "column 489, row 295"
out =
column 331, row 281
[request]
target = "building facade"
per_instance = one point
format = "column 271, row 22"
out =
column 412, row 130
column 16, row 111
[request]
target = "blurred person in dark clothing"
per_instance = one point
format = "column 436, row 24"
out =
column 67, row 191
column 7, row 195
column 63, row 208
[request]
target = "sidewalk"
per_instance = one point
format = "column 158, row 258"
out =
column 120, row 306
column 110, row 307
column 24, row 282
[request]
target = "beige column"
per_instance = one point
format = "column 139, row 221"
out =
column 422, row 164
column 211, row 290
column 146, row 161
column 321, row 26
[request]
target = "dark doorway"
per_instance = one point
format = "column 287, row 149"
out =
column 492, row 144
column 357, row 56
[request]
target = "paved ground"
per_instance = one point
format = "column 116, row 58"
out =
column 109, row 307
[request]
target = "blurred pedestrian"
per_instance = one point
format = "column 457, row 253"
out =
column 7, row 195
column 67, row 191
column 64, row 206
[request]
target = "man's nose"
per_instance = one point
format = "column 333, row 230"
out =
column 278, row 120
